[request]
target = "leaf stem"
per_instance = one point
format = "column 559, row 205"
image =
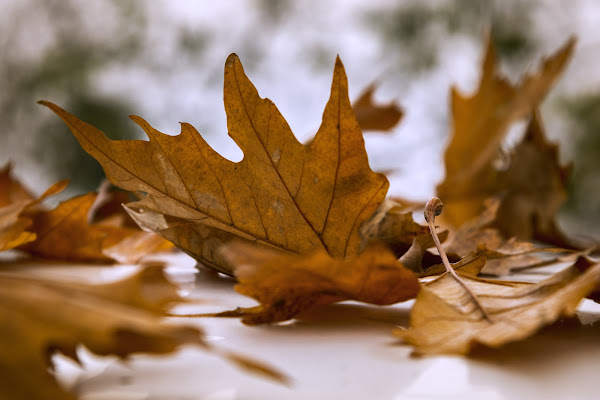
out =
column 434, row 208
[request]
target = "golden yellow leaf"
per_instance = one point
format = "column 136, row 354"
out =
column 480, row 123
column 282, row 194
column 287, row 284
column 445, row 320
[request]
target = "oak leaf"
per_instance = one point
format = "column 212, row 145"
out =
column 480, row 124
column 287, row 284
column 445, row 320
column 282, row 194
column 376, row 117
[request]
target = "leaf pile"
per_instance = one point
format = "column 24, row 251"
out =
column 42, row 316
column 303, row 225
column 64, row 233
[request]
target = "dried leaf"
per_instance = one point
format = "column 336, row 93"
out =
column 11, row 190
column 476, row 233
column 282, row 194
column 480, row 123
column 119, row 318
column 470, row 265
column 535, row 187
column 376, row 117
column 444, row 319
column 391, row 225
column 89, row 315
column 285, row 284
column 15, row 225
column 135, row 247
column 63, row 233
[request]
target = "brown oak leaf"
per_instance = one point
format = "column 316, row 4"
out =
column 287, row 284
column 534, row 188
column 480, row 124
column 282, row 194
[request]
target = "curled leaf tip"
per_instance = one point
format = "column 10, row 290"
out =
column 433, row 208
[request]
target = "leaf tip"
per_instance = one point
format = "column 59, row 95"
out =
column 47, row 104
column 232, row 59
column 338, row 62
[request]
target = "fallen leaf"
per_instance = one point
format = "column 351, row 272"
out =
column 477, row 232
column 535, row 187
column 376, row 117
column 480, row 124
column 391, row 225
column 41, row 316
column 108, row 207
column 470, row 265
column 503, row 256
column 583, row 263
column 132, row 249
column 15, row 225
column 63, row 233
column 444, row 319
column 14, row 228
column 286, row 284
column 11, row 190
column 282, row 194
column 514, row 254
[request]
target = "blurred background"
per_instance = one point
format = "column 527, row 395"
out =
column 103, row 60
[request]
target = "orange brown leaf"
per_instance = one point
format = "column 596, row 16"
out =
column 480, row 124
column 286, row 284
column 63, row 233
column 15, row 223
column 282, row 194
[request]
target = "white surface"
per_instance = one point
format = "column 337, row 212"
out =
column 343, row 351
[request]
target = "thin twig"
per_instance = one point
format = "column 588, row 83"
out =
column 434, row 208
